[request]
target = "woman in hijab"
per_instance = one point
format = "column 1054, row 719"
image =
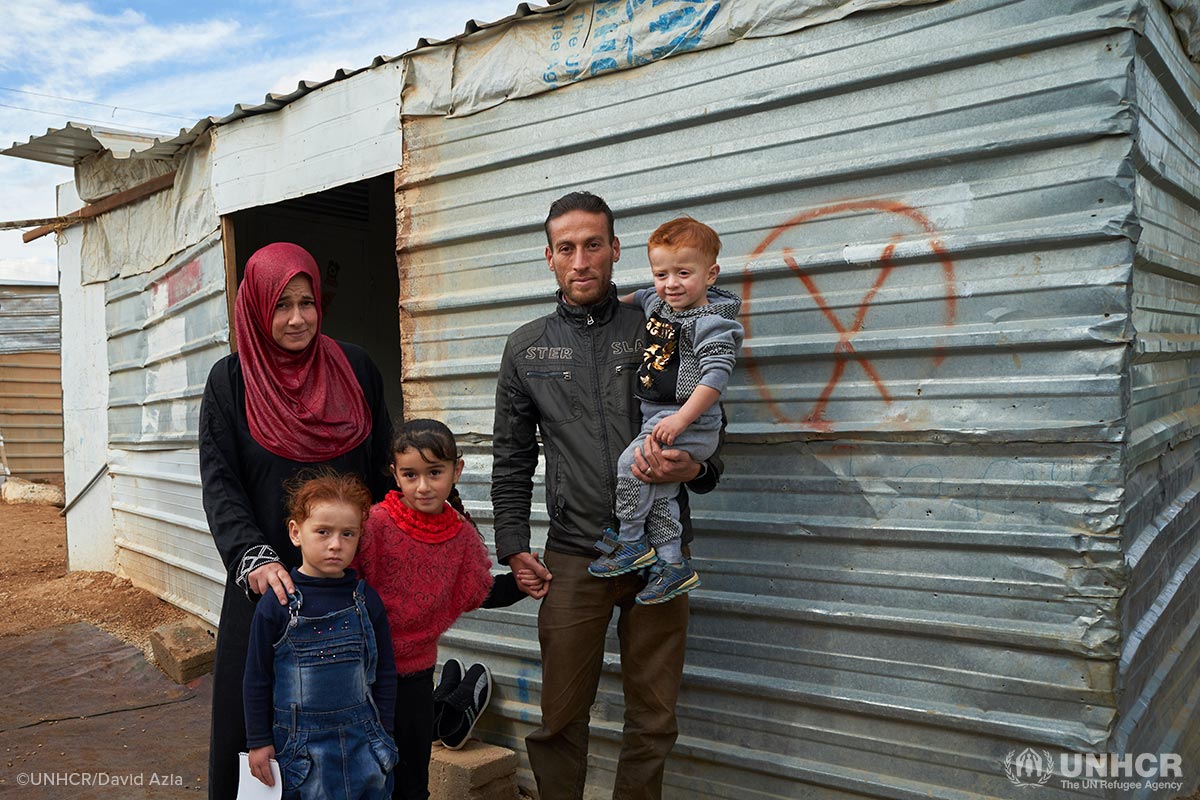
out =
column 291, row 398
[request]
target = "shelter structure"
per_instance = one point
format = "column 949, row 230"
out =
column 957, row 542
column 31, row 439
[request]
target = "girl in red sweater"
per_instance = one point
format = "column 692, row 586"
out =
column 429, row 565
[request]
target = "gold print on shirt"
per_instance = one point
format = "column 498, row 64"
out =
column 658, row 355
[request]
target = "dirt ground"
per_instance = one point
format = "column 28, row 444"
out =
column 85, row 716
column 36, row 592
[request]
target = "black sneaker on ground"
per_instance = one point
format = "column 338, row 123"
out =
column 451, row 677
column 463, row 707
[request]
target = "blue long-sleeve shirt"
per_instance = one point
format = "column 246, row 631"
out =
column 321, row 596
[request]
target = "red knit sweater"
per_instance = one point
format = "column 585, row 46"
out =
column 424, row 587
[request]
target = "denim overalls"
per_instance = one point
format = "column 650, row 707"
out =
column 328, row 739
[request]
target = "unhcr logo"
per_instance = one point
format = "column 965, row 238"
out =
column 1029, row 767
column 1125, row 772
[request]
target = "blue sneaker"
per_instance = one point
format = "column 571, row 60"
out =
column 621, row 557
column 668, row 581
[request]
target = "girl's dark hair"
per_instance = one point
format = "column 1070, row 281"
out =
column 427, row 436
column 310, row 487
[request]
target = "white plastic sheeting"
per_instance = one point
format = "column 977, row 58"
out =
column 542, row 52
column 340, row 133
column 144, row 235
column 103, row 174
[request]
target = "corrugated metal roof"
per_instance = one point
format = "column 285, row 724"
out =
column 25, row 282
column 75, row 141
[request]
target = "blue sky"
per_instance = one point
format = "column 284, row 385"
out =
column 109, row 63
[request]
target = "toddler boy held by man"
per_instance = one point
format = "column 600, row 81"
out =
column 692, row 340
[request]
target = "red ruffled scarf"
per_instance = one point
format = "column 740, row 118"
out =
column 425, row 528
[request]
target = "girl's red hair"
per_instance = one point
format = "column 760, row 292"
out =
column 326, row 486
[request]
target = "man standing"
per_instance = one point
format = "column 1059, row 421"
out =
column 570, row 375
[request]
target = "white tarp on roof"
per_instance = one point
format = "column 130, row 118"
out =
column 141, row 236
column 546, row 51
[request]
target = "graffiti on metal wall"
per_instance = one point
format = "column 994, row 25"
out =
column 844, row 351
column 618, row 34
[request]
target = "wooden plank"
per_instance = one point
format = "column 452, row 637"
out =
column 29, row 223
column 231, row 282
column 152, row 186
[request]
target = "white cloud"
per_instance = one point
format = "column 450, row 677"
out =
column 193, row 69
column 69, row 49
column 29, row 269
column 28, row 193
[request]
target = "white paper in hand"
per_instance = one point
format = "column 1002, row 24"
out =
column 251, row 788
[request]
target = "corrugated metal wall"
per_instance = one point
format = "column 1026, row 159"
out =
column 31, row 436
column 915, row 564
column 1160, row 655
column 28, row 318
column 166, row 328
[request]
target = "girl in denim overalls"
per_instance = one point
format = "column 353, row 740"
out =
column 319, row 691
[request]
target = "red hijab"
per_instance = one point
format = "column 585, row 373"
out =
column 305, row 406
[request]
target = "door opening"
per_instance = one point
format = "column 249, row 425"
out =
column 351, row 232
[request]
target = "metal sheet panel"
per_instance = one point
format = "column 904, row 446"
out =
column 85, row 407
column 341, row 133
column 70, row 144
column 28, row 319
column 915, row 563
column 162, row 537
column 31, row 381
column 31, row 421
column 1160, row 655
column 166, row 328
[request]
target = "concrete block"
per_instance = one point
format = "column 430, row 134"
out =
column 183, row 650
column 478, row 771
column 18, row 490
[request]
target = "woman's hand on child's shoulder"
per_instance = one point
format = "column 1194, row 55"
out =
column 272, row 577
